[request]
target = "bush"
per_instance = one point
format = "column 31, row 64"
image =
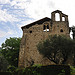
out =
column 43, row 70
column 11, row 69
column 37, row 65
column 47, row 70
column 72, row 70
column 3, row 63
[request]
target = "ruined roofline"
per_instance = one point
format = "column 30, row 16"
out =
column 36, row 22
column 45, row 19
column 58, row 11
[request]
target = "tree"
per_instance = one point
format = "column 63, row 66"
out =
column 56, row 48
column 3, row 63
column 10, row 50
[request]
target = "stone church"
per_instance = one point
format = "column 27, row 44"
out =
column 38, row 31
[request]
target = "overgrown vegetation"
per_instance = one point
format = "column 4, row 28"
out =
column 62, row 72
column 57, row 48
column 72, row 70
column 54, row 48
column 3, row 63
column 9, row 53
column 43, row 70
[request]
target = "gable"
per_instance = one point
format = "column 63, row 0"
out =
column 36, row 22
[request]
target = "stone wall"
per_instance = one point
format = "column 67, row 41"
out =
column 33, row 34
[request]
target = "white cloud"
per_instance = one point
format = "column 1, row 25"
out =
column 36, row 8
column 4, row 16
column 10, row 32
column 19, row 3
column 23, row 23
column 13, row 3
column 4, row 34
column 4, row 1
column 20, row 0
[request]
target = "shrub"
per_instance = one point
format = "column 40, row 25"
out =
column 11, row 69
column 72, row 70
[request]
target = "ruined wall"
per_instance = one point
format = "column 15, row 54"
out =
column 62, row 26
column 29, row 54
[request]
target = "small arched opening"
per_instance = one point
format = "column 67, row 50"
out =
column 63, row 18
column 46, row 27
column 57, row 17
column 61, row 30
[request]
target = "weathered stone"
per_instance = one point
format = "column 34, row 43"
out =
column 38, row 31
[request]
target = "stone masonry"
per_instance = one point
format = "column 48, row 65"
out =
column 38, row 31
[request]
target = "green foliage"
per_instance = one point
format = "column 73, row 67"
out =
column 37, row 65
column 44, row 70
column 10, row 50
column 36, row 73
column 62, row 72
column 11, row 69
column 72, row 70
column 30, row 71
column 17, row 70
column 3, row 63
column 24, row 70
column 55, row 47
column 48, row 70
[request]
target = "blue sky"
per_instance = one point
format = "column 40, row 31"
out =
column 16, row 13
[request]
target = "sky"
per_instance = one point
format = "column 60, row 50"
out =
column 16, row 13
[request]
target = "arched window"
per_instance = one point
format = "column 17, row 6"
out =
column 46, row 27
column 61, row 30
column 63, row 18
column 57, row 17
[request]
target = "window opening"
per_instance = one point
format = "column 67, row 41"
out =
column 61, row 30
column 63, row 18
column 46, row 27
column 30, row 31
column 57, row 17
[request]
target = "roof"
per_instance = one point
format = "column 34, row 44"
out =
column 36, row 22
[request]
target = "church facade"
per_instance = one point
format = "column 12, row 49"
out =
column 38, row 31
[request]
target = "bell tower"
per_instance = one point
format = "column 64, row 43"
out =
column 60, row 26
